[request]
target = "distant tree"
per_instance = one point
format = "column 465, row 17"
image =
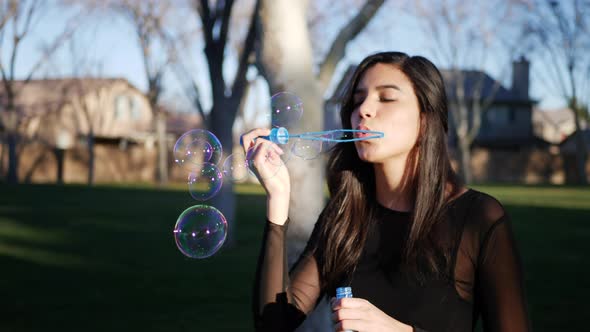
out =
column 560, row 36
column 18, row 19
column 466, row 35
column 213, row 20
column 81, row 69
column 151, row 20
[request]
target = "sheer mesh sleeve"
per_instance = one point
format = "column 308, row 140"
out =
column 499, row 289
column 282, row 299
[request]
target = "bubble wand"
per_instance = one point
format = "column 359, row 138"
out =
column 281, row 135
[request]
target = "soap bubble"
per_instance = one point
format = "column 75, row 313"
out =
column 311, row 145
column 196, row 147
column 235, row 167
column 307, row 149
column 330, row 139
column 200, row 231
column 286, row 109
column 205, row 182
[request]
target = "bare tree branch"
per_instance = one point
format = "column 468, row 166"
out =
column 226, row 9
column 244, row 60
column 356, row 25
column 202, row 8
column 464, row 35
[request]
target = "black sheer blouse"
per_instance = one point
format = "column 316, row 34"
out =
column 485, row 276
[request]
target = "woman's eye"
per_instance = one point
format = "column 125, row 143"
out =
column 386, row 99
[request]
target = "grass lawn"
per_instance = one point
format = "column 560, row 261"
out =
column 104, row 259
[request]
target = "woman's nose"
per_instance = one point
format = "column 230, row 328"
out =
column 366, row 109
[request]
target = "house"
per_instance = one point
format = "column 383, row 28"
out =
column 507, row 122
column 569, row 147
column 60, row 118
column 178, row 123
column 60, row 111
column 555, row 125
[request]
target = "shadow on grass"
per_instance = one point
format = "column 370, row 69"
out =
column 104, row 259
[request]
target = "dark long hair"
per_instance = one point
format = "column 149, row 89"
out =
column 345, row 221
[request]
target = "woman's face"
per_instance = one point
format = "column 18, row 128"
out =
column 384, row 100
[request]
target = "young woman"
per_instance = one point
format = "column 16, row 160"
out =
column 420, row 251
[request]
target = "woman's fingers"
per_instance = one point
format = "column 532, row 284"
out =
column 347, row 314
column 349, row 302
column 248, row 140
column 264, row 156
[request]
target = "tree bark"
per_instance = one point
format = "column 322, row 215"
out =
column 59, row 156
column 162, row 147
column 465, row 151
column 12, row 138
column 221, row 123
column 581, row 153
column 90, row 143
column 286, row 56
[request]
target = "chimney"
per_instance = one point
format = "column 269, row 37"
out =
column 520, row 77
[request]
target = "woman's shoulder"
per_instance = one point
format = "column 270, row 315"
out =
column 480, row 210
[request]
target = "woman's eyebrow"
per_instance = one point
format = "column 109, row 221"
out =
column 379, row 87
column 388, row 86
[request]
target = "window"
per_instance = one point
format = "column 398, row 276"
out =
column 135, row 105
column 121, row 107
column 500, row 116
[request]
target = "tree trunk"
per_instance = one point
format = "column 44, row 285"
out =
column 11, row 138
column 465, row 151
column 221, row 123
column 162, row 147
column 2, row 154
column 59, row 158
column 581, row 154
column 90, row 143
column 286, row 55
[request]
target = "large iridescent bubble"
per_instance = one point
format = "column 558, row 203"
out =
column 200, row 231
column 196, row 147
column 205, row 182
column 235, row 167
column 285, row 109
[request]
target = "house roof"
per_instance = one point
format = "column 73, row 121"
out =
column 476, row 79
column 50, row 94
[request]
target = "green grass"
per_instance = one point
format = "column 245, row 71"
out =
column 104, row 259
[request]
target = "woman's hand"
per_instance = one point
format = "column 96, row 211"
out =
column 264, row 160
column 360, row 315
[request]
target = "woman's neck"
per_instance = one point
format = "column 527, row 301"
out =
column 393, row 185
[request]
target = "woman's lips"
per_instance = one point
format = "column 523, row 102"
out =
column 361, row 134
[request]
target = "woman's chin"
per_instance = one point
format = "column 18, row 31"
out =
column 367, row 156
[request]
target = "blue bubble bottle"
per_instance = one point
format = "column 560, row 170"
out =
column 342, row 292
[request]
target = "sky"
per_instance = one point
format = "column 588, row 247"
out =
column 108, row 45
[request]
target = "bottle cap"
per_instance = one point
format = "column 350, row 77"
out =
column 343, row 292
